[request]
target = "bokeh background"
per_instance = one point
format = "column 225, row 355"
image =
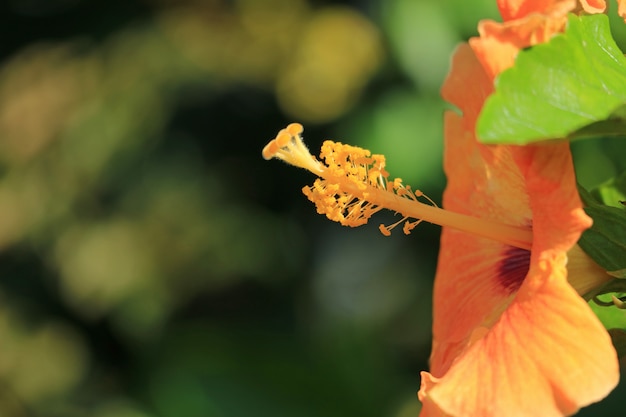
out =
column 152, row 264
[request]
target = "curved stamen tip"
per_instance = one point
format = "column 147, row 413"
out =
column 289, row 146
column 353, row 185
column 295, row 129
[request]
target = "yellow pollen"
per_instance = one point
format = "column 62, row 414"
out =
column 353, row 184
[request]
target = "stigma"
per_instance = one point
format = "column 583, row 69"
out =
column 353, row 185
column 289, row 146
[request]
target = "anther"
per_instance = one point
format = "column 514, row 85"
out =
column 353, row 185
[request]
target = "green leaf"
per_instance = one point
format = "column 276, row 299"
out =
column 572, row 86
column 605, row 241
column 612, row 192
column 614, row 320
column 618, row 337
column 613, row 286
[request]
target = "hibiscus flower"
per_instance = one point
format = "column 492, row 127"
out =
column 511, row 335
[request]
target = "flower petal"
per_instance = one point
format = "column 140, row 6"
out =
column 593, row 6
column 485, row 182
column 558, row 217
column 548, row 355
column 469, row 97
column 497, row 352
column 516, row 9
column 499, row 43
column 621, row 9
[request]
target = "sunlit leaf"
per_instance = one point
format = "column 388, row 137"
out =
column 573, row 86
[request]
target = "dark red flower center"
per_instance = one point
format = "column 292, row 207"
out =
column 513, row 268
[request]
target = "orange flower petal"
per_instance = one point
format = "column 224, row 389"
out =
column 469, row 286
column 621, row 9
column 558, row 217
column 526, row 23
column 499, row 43
column 467, row 96
column 516, row 9
column 504, row 317
column 547, row 355
column 593, row 6
column 482, row 180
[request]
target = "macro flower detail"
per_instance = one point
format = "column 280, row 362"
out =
column 352, row 176
column 353, row 185
column 512, row 335
column 513, row 268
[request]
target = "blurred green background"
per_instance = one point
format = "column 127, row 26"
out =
column 154, row 265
